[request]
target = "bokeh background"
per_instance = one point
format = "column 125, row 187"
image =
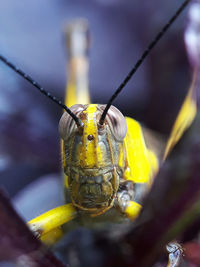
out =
column 31, row 36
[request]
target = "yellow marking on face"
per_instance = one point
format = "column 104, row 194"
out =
column 121, row 157
column 63, row 153
column 89, row 150
column 66, row 184
column 66, row 181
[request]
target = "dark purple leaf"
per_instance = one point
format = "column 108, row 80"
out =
column 17, row 242
column 192, row 253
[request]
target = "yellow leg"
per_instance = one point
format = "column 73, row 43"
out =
column 132, row 210
column 47, row 225
column 52, row 237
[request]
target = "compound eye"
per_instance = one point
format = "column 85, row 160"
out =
column 116, row 122
column 67, row 125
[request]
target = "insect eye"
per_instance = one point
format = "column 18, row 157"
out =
column 67, row 125
column 116, row 122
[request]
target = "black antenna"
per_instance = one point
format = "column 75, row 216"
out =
column 141, row 59
column 41, row 89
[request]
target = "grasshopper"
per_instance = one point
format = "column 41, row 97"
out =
column 108, row 166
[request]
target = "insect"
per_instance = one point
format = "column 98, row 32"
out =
column 100, row 179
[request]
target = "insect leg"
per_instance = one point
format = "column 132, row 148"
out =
column 175, row 254
column 129, row 197
column 141, row 165
column 77, row 35
column 47, row 226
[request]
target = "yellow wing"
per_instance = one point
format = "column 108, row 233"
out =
column 158, row 144
column 185, row 117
